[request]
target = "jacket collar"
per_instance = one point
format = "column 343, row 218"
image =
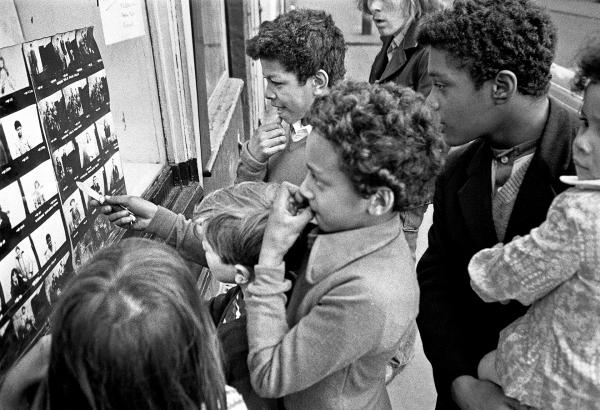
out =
column 399, row 55
column 551, row 159
column 332, row 251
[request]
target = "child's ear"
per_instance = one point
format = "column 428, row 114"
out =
column 242, row 274
column 381, row 202
column 504, row 86
column 320, row 82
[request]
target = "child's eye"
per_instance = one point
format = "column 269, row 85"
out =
column 439, row 86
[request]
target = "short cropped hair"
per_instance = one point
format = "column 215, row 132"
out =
column 385, row 135
column 303, row 41
column 234, row 220
column 487, row 36
column 588, row 67
column 17, row 124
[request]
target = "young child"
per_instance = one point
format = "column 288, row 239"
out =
column 489, row 61
column 302, row 54
column 354, row 303
column 130, row 331
column 549, row 357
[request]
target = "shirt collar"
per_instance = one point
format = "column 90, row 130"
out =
column 333, row 251
column 405, row 37
column 300, row 131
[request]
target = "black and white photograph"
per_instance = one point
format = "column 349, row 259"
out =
column 88, row 49
column 69, row 45
column 76, row 97
column 74, row 212
column 88, row 147
column 39, row 185
column 54, row 115
column 49, row 237
column 44, row 59
column 22, row 131
column 24, row 260
column 114, row 173
column 5, row 157
column 66, row 161
column 13, row 75
column 12, row 210
column 106, row 131
column 96, row 183
column 98, row 90
column 24, row 320
column 13, row 279
column 32, row 56
column 57, row 279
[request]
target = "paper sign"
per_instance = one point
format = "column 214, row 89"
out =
column 121, row 20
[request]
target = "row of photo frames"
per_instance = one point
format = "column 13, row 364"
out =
column 74, row 106
column 29, row 316
column 80, row 155
column 53, row 58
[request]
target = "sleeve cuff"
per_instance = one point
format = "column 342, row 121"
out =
column 269, row 281
column 249, row 160
column 163, row 222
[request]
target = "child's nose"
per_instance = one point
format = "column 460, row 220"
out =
column 304, row 189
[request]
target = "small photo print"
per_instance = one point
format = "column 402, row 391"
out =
column 86, row 44
column 114, row 173
column 12, row 211
column 39, row 185
column 17, row 269
column 88, row 148
column 33, row 57
column 98, row 87
column 96, row 183
column 22, row 131
column 66, row 161
column 106, row 131
column 57, row 279
column 73, row 210
column 13, row 75
column 49, row 237
column 54, row 116
column 24, row 321
column 74, row 102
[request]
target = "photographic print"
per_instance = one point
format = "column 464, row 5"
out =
column 66, row 161
column 73, row 101
column 39, row 185
column 74, row 211
column 96, row 183
column 54, row 116
column 49, row 237
column 12, row 211
column 13, row 75
column 106, row 131
column 22, row 131
column 57, row 279
column 98, row 89
column 88, row 148
column 114, row 173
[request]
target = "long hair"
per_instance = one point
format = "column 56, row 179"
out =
column 234, row 220
column 131, row 332
column 416, row 8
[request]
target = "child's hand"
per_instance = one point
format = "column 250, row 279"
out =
column 288, row 217
column 127, row 211
column 268, row 139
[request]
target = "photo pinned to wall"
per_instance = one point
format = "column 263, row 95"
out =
column 115, row 183
column 54, row 117
column 49, row 238
column 21, row 132
column 18, row 268
column 66, row 166
column 77, row 102
column 105, row 130
column 98, row 91
column 96, row 182
column 57, row 279
column 88, row 148
column 74, row 212
column 13, row 74
column 39, row 186
column 12, row 212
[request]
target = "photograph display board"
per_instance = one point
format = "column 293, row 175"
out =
column 56, row 129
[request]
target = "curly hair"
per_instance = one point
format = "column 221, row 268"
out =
column 303, row 41
column 487, row 36
column 235, row 219
column 588, row 67
column 386, row 135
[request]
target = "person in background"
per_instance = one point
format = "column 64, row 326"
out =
column 130, row 332
column 302, row 54
column 490, row 66
column 549, row 357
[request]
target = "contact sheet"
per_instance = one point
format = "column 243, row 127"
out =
column 56, row 129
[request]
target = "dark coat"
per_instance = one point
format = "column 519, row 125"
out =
column 408, row 65
column 457, row 327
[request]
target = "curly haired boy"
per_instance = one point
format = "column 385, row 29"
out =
column 490, row 66
column 372, row 150
column 301, row 53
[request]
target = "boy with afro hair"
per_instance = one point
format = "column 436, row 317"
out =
column 490, row 66
column 301, row 53
column 372, row 152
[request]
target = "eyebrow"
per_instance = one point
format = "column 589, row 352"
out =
column 313, row 169
column 436, row 74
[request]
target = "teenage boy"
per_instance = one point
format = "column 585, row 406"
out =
column 301, row 53
column 372, row 151
column 490, row 65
